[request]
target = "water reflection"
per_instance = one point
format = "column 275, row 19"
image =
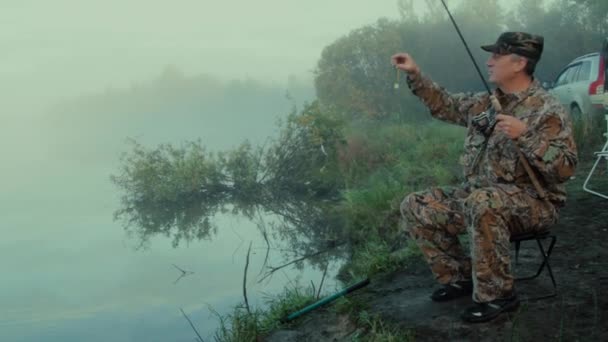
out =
column 73, row 275
column 174, row 191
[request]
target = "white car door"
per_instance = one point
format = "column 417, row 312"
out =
column 562, row 89
column 579, row 86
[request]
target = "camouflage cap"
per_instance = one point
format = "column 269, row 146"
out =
column 520, row 43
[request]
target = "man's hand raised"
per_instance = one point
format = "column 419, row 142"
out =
column 405, row 62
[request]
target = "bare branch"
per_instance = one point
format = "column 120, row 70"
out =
column 178, row 279
column 265, row 235
column 322, row 279
column 192, row 325
column 245, row 279
column 174, row 265
column 274, row 269
column 184, row 273
column 240, row 239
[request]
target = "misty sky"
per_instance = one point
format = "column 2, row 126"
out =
column 64, row 48
column 69, row 47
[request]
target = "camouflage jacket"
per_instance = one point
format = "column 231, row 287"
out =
column 548, row 144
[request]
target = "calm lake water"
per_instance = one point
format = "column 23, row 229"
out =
column 70, row 273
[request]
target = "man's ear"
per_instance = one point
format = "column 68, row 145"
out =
column 521, row 64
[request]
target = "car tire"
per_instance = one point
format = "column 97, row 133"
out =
column 576, row 113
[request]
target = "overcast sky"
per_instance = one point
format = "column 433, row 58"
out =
column 63, row 48
column 67, row 47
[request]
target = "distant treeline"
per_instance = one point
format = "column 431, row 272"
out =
column 173, row 107
column 354, row 73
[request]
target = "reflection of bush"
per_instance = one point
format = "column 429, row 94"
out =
column 327, row 182
column 173, row 191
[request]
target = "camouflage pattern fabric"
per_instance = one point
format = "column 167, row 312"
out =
column 520, row 43
column 435, row 218
column 548, row 145
column 497, row 197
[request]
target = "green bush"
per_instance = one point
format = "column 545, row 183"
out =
column 381, row 164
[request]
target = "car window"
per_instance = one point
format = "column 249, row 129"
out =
column 584, row 72
column 566, row 76
column 561, row 79
column 572, row 75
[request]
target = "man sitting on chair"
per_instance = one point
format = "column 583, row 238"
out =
column 498, row 197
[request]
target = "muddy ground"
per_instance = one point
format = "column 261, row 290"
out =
column 578, row 313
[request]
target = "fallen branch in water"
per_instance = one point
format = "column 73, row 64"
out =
column 322, row 279
column 245, row 279
column 265, row 235
column 274, row 269
column 192, row 325
column 184, row 273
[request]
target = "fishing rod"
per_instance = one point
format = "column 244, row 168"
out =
column 466, row 46
column 326, row 300
column 487, row 119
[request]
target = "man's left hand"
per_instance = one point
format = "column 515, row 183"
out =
column 510, row 126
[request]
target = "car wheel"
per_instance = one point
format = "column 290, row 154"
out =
column 584, row 125
column 576, row 113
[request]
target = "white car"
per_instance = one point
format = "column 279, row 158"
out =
column 582, row 85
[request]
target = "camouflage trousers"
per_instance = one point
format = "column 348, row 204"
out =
column 434, row 218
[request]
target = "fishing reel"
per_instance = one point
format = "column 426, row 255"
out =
column 485, row 121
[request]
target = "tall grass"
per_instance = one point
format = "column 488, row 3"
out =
column 589, row 135
column 381, row 165
column 242, row 326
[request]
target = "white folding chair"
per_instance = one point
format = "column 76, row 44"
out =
column 601, row 154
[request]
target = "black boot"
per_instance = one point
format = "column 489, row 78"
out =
column 483, row 312
column 453, row 291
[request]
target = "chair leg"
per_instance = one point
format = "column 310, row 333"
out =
column 542, row 266
column 546, row 262
column 545, row 257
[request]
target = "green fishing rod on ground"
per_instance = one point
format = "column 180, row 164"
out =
column 325, row 300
